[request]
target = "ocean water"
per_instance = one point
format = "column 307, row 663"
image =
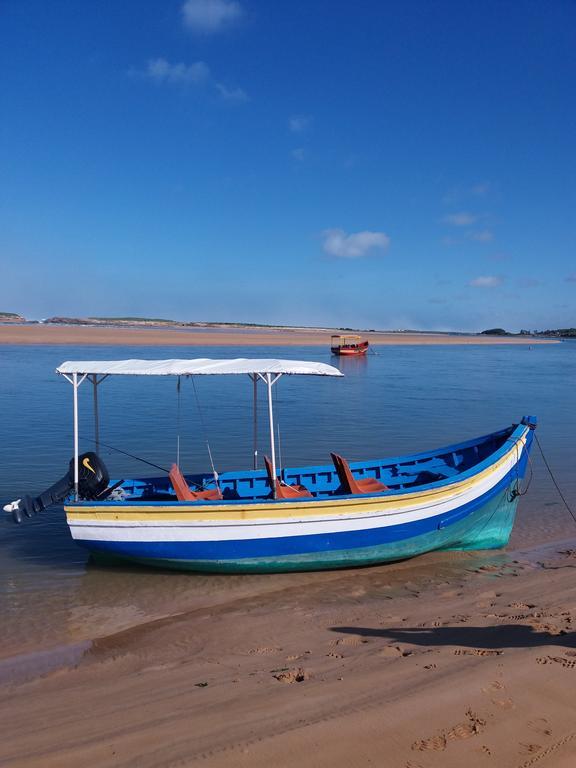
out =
column 398, row 400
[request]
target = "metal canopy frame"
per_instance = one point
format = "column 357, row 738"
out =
column 269, row 379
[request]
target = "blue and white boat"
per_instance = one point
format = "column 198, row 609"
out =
column 463, row 496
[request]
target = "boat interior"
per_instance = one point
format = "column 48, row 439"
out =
column 341, row 478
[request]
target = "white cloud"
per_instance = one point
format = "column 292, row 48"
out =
column 231, row 94
column 458, row 194
column 299, row 123
column 483, row 236
column 486, row 281
column 353, row 246
column 449, row 240
column 481, row 189
column 462, row 219
column 210, row 15
column 161, row 71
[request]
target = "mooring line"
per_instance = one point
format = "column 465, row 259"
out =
column 554, row 479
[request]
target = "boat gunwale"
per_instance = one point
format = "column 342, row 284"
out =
column 186, row 519
column 517, row 435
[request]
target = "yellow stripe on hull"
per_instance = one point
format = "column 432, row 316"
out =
column 270, row 510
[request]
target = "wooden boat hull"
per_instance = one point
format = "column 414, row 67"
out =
column 351, row 351
column 473, row 510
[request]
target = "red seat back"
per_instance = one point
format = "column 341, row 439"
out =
column 183, row 492
column 282, row 491
column 348, row 481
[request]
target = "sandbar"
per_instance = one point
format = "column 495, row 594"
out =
column 34, row 334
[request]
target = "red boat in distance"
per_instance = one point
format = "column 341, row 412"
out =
column 348, row 345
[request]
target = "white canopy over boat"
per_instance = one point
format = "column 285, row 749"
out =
column 268, row 371
column 196, row 367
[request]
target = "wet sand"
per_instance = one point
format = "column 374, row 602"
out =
column 451, row 659
column 125, row 336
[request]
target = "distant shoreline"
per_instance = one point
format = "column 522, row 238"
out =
column 35, row 334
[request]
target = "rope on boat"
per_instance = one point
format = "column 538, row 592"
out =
column 125, row 453
column 199, row 486
column 573, row 516
column 516, row 491
column 205, row 433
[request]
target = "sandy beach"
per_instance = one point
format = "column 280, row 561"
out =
column 470, row 660
column 78, row 335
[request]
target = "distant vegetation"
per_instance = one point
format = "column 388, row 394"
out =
column 11, row 317
column 495, row 332
column 560, row 333
column 132, row 319
column 564, row 333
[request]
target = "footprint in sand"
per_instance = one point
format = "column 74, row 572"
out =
column 549, row 629
column 471, row 727
column 462, row 731
column 291, row 675
column 566, row 663
column 478, row 652
column 436, row 743
column 393, row 651
column 495, row 685
column 493, row 689
column 333, row 655
column 540, row 725
column 296, row 656
column 351, row 641
column 265, row 651
column 530, row 749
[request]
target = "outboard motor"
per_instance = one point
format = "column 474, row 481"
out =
column 93, row 481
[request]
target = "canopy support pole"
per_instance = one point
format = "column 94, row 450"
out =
column 178, row 422
column 95, row 381
column 255, row 420
column 96, row 420
column 271, row 422
column 76, row 384
column 270, row 383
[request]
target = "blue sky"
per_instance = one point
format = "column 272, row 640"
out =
column 377, row 165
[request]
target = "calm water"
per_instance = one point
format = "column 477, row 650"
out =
column 402, row 399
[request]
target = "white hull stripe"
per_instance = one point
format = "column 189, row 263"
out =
column 187, row 530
